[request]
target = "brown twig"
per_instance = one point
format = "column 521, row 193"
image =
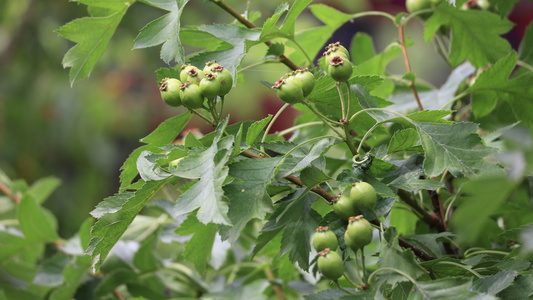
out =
column 271, row 278
column 431, row 220
column 7, row 191
column 286, row 61
column 408, row 66
column 328, row 197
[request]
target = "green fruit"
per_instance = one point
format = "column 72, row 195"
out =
column 191, row 96
column 184, row 73
column 330, row 264
column 344, row 208
column 358, row 233
column 194, row 75
column 337, row 47
column 416, row 5
column 289, row 91
column 332, row 52
column 170, row 91
column 209, row 65
column 340, row 68
column 324, row 238
column 363, row 195
column 483, row 4
column 224, row 79
column 306, row 80
column 209, row 86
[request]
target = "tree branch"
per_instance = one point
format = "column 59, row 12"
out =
column 286, row 61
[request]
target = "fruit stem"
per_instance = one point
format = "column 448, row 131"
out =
column 294, row 128
column 408, row 66
column 341, row 98
column 203, row 117
column 363, row 265
column 276, row 116
column 324, row 118
column 350, row 280
column 7, row 191
column 270, row 275
column 303, row 51
column 357, row 269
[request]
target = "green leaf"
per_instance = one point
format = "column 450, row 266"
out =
column 494, row 284
column 453, row 147
column 209, row 166
column 522, row 288
column 429, row 242
column 433, row 99
column 493, row 84
column 92, row 35
column 145, row 259
column 44, row 187
column 248, row 197
column 37, row 224
column 312, row 176
column 129, row 167
column 301, row 223
column 482, row 198
column 503, row 7
column 367, row 101
column 456, row 288
column 475, row 34
column 269, row 26
column 199, row 247
column 362, row 48
column 288, row 24
column 11, row 242
column 50, row 273
column 402, row 140
column 72, row 276
column 240, row 39
column 298, row 162
column 411, row 182
column 392, row 256
column 525, row 50
column 331, row 294
column 167, row 131
column 164, row 30
column 113, row 222
column 255, row 129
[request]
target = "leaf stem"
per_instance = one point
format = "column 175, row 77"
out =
column 276, row 116
column 270, row 275
column 341, row 98
column 460, row 266
column 374, row 13
column 487, row 252
column 324, row 118
column 250, row 66
column 294, row 128
column 303, row 51
column 524, row 64
column 461, row 95
column 363, row 265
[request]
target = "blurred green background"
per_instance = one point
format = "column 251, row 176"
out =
column 82, row 134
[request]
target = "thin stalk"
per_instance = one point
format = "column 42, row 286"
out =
column 341, row 97
column 380, row 109
column 277, row 289
column 324, row 118
column 460, row 266
column 524, row 64
column 357, row 269
column 365, row 136
column 343, row 289
column 351, row 281
column 250, row 66
column 349, row 100
column 408, row 66
column 303, row 51
column 7, row 191
column 487, row 252
column 461, row 95
column 294, row 128
column 363, row 265
column 374, row 13
column 203, row 117
column 412, row 15
column 276, row 116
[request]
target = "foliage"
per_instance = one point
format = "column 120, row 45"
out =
column 232, row 214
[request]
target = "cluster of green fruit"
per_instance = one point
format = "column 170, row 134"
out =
column 195, row 85
column 358, row 233
column 295, row 86
column 338, row 60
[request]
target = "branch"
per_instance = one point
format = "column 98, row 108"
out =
column 7, row 191
column 328, row 197
column 408, row 66
column 251, row 25
column 429, row 219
